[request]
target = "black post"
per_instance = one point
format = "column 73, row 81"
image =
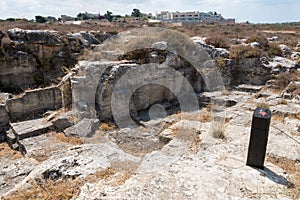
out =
column 259, row 137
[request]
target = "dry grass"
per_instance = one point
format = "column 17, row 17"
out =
column 66, row 188
column 298, row 116
column 205, row 117
column 242, row 52
column 294, row 116
column 7, row 152
column 284, row 79
column 293, row 169
column 217, row 41
column 107, row 126
column 283, row 101
column 40, row 157
column 226, row 92
column 274, row 50
column 262, row 105
column 48, row 190
column 101, row 174
column 278, row 117
column 60, row 137
column 189, row 135
column 218, row 129
column 123, row 178
column 262, row 40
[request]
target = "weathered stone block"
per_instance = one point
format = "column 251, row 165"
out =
column 34, row 102
column 84, row 128
column 31, row 128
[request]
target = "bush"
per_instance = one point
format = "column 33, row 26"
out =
column 217, row 41
column 274, row 50
column 242, row 51
column 283, row 79
column 263, row 41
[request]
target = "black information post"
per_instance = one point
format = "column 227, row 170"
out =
column 259, row 137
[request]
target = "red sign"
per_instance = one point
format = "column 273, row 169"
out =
column 263, row 113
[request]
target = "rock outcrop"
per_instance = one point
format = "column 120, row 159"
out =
column 40, row 57
column 156, row 83
column 34, row 102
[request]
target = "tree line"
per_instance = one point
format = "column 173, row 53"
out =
column 86, row 16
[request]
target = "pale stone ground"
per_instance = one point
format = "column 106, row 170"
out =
column 192, row 165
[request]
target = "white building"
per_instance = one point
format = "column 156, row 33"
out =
column 193, row 17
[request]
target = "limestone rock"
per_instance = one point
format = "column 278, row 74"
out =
column 160, row 45
column 84, row 128
column 248, row 88
column 64, row 121
column 285, row 49
column 34, row 102
column 46, row 37
column 295, row 55
column 274, row 38
column 255, row 44
column 245, row 71
column 4, row 118
column 31, row 128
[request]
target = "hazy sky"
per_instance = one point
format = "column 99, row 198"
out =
column 257, row 11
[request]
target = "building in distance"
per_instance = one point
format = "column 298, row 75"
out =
column 193, row 17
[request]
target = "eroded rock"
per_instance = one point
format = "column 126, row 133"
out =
column 84, row 128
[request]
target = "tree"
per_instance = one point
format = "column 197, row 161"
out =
column 108, row 16
column 136, row 13
column 83, row 16
column 40, row 19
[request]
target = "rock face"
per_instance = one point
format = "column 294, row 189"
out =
column 34, row 102
column 245, row 71
column 4, row 120
column 46, row 37
column 153, row 83
column 4, row 117
column 37, row 57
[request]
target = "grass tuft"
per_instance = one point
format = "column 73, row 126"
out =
column 218, row 129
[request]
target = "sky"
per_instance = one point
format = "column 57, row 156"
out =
column 254, row 11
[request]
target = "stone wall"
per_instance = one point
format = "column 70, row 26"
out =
column 34, row 102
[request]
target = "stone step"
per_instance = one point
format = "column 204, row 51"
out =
column 31, row 128
column 249, row 88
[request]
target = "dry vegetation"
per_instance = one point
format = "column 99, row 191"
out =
column 284, row 79
column 283, row 101
column 218, row 129
column 242, row 51
column 217, row 41
column 6, row 151
column 65, row 188
column 101, row 174
column 292, row 168
column 278, row 117
column 60, row 137
column 107, row 126
column 48, row 190
column 262, row 105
